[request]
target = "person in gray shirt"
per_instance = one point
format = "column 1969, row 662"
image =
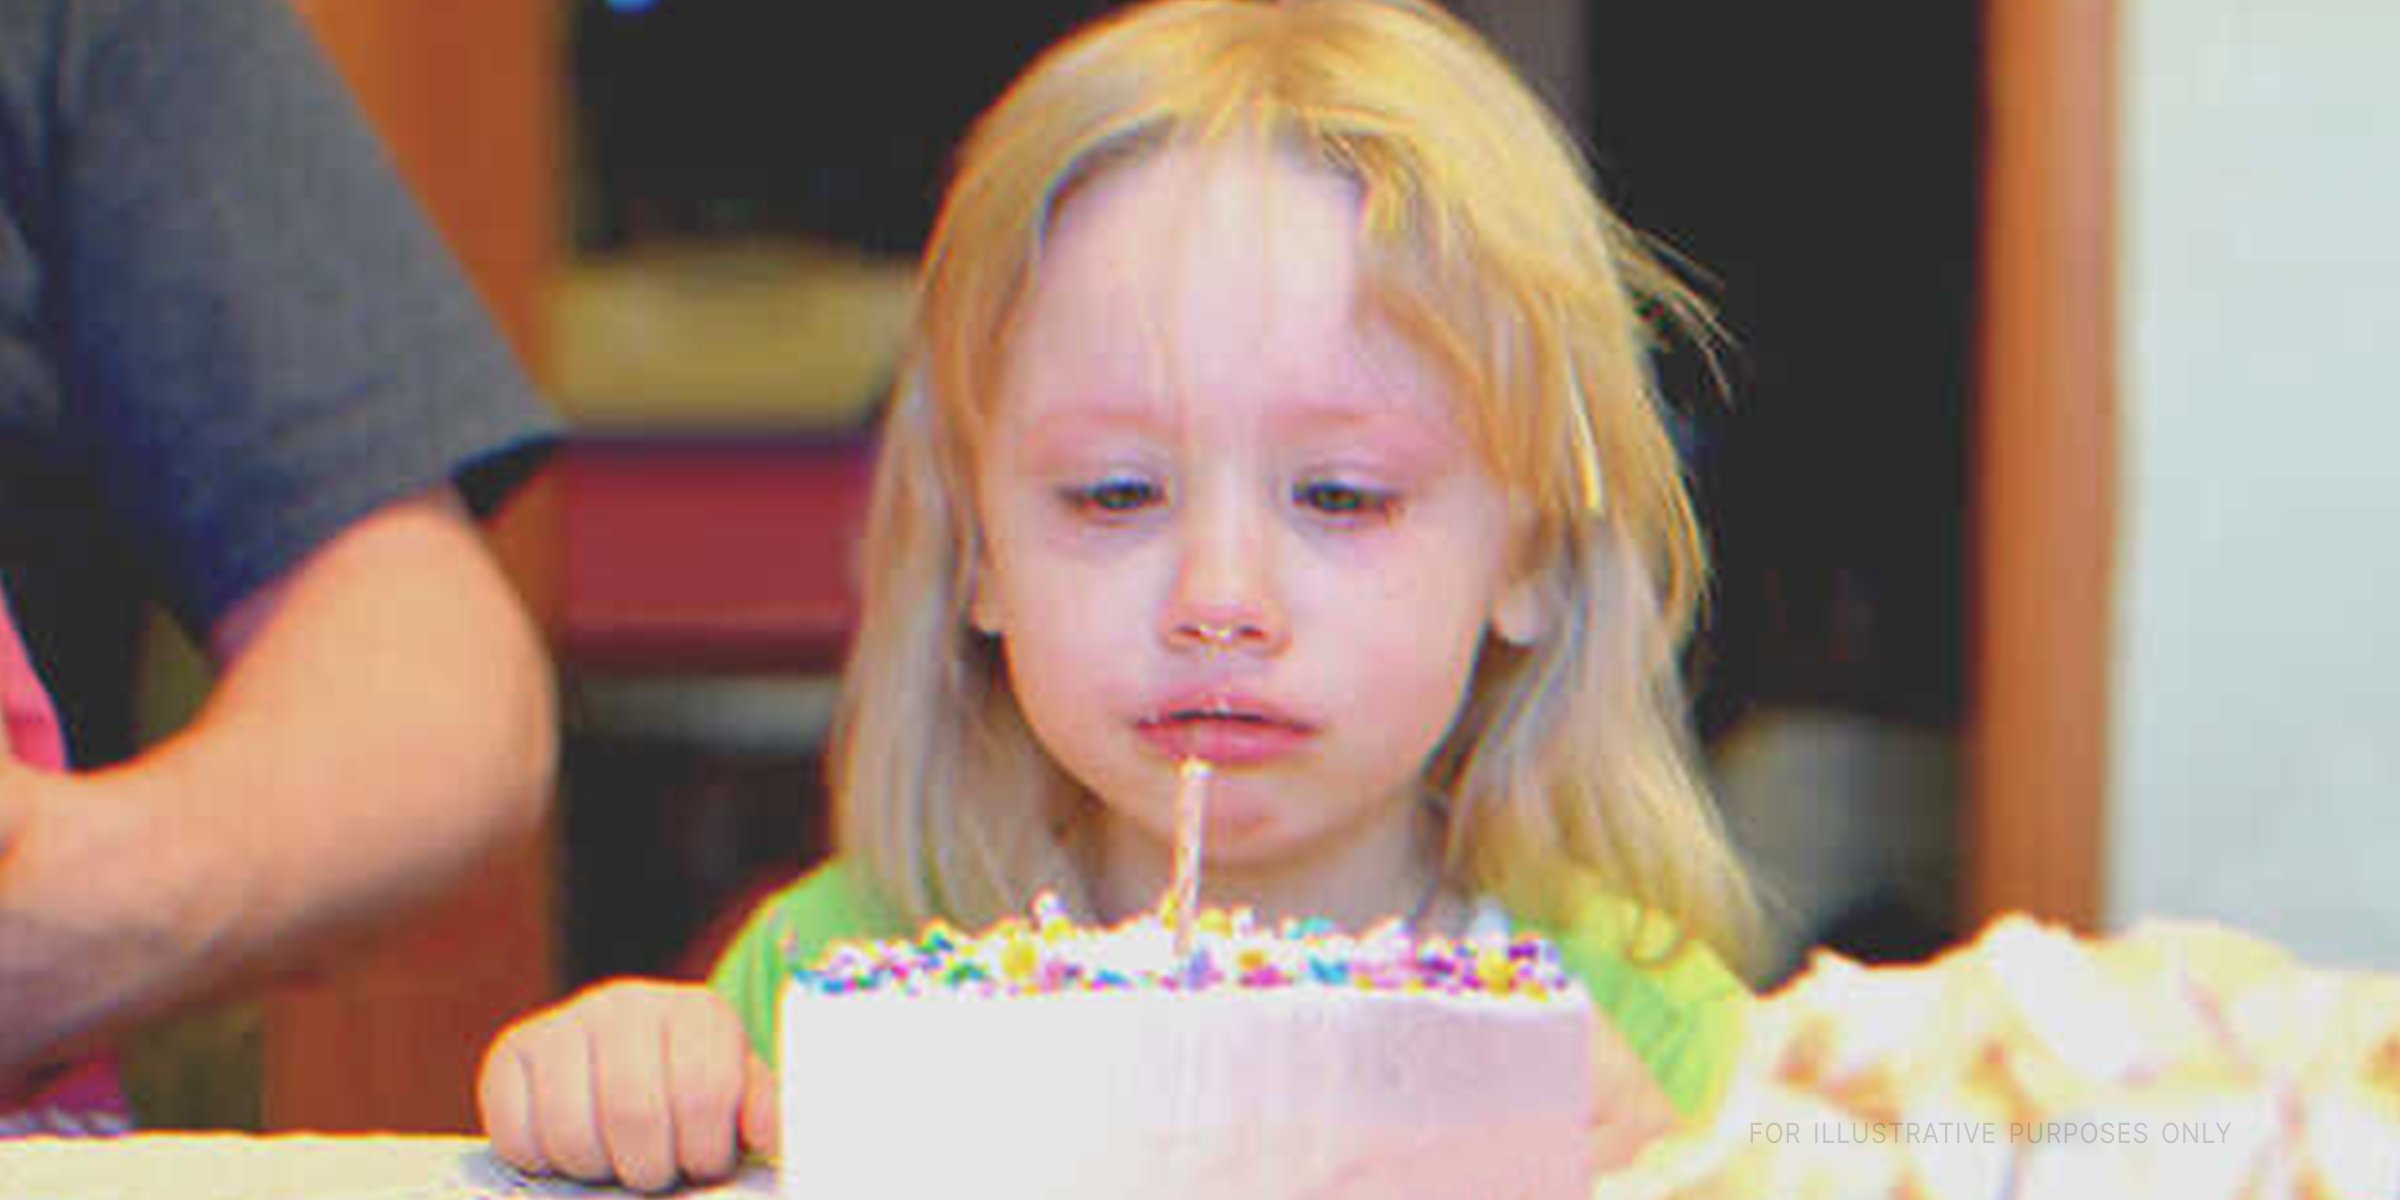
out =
column 239, row 374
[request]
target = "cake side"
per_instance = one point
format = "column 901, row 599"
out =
column 1050, row 1060
column 1302, row 1092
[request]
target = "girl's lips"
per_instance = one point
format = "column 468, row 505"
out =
column 1225, row 740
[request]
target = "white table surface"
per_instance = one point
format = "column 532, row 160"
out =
column 215, row 1166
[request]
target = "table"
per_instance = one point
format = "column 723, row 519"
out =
column 222, row 1166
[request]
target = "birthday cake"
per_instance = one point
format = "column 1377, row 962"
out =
column 2177, row 1060
column 1048, row 1060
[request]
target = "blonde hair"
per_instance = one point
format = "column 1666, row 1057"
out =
column 1484, row 243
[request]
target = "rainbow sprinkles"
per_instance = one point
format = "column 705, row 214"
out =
column 1229, row 950
column 1180, row 946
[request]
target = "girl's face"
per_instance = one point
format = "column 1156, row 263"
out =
column 1226, row 517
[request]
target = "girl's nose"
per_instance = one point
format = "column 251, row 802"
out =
column 1225, row 599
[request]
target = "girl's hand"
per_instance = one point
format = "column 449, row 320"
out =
column 637, row 1081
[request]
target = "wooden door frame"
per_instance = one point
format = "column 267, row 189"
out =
column 2045, row 464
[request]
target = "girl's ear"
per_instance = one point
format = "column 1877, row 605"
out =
column 1520, row 615
column 984, row 616
column 1521, row 611
column 983, row 612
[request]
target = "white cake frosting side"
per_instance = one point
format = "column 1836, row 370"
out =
column 1283, row 1093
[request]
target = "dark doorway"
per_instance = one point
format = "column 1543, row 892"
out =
column 1818, row 165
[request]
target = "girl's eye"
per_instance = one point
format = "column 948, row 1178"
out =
column 1347, row 500
column 1112, row 497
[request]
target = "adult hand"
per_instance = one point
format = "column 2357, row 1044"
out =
column 637, row 1081
column 15, row 809
column 85, row 897
column 13, row 804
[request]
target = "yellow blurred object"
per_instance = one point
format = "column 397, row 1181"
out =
column 2175, row 1060
column 773, row 335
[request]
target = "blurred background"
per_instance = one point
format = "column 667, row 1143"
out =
column 2052, row 550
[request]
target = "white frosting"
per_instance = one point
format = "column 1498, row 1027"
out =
column 1267, row 1094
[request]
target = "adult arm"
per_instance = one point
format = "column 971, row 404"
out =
column 384, row 714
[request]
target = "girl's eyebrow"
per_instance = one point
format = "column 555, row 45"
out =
column 1105, row 412
column 1387, row 420
column 1306, row 419
column 1067, row 424
column 1066, row 417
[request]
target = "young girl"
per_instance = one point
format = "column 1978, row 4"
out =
column 1279, row 399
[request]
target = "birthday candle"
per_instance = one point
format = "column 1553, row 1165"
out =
column 1191, row 810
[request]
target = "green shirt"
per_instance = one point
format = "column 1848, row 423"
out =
column 1683, row 1017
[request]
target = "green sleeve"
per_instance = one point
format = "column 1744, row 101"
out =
column 1683, row 1016
column 788, row 929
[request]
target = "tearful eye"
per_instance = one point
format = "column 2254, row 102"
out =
column 1336, row 499
column 1112, row 497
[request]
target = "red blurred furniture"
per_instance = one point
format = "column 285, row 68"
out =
column 708, row 554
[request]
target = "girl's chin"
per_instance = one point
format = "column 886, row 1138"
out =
column 1237, row 839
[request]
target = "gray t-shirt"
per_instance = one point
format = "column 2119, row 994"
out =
column 226, row 331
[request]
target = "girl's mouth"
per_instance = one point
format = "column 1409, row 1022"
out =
column 1224, row 732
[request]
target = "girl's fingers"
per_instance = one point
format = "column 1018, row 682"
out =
column 558, row 1054
column 639, row 1083
column 762, row 1128
column 704, row 1080
column 504, row 1095
column 629, row 1080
